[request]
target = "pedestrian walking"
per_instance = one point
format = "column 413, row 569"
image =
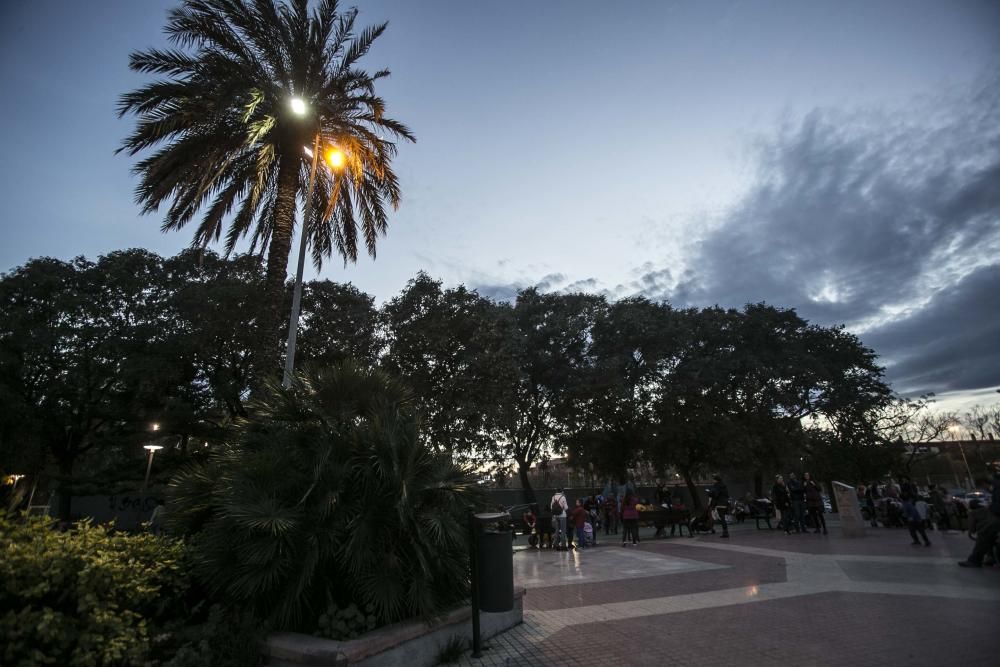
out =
column 814, row 502
column 782, row 503
column 718, row 497
column 630, row 519
column 558, row 505
column 987, row 524
column 908, row 495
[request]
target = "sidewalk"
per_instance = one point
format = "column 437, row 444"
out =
column 759, row 597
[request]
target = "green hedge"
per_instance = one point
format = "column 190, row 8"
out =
column 91, row 596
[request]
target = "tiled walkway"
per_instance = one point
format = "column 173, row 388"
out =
column 759, row 598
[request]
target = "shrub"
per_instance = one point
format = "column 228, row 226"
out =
column 84, row 597
column 328, row 497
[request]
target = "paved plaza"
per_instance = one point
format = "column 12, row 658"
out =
column 759, row 598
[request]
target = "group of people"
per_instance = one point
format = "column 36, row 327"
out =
column 577, row 525
column 795, row 500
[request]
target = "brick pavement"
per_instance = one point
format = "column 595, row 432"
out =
column 759, row 598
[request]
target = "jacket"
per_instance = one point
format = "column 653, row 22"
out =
column 779, row 493
column 795, row 490
column 719, row 494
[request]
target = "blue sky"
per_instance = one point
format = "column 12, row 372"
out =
column 820, row 155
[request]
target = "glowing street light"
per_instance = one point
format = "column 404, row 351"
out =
column 298, row 106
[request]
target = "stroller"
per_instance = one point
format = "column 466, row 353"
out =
column 702, row 523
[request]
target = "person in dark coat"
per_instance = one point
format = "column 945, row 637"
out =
column 987, row 525
column 782, row 502
column 718, row 497
column 814, row 502
column 798, row 497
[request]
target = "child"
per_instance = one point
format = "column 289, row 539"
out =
column 579, row 517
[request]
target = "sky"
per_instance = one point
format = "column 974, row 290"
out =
column 840, row 158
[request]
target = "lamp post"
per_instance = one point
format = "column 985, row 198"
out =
column 152, row 449
column 336, row 159
column 953, row 430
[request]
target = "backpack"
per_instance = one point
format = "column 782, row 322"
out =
column 556, row 508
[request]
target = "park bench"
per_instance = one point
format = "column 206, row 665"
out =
column 663, row 517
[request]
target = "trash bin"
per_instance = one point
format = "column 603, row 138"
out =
column 495, row 560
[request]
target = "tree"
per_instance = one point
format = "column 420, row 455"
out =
column 339, row 322
column 227, row 143
column 81, row 358
column 545, row 352
column 607, row 419
column 446, row 345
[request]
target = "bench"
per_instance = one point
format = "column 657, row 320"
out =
column 661, row 518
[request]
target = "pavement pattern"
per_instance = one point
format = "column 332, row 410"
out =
column 759, row 598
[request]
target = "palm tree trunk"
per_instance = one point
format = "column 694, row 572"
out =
column 284, row 225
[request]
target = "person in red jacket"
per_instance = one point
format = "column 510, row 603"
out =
column 630, row 517
column 579, row 517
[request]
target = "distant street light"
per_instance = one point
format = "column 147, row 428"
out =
column 298, row 106
column 336, row 159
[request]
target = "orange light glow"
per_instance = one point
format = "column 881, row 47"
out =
column 335, row 158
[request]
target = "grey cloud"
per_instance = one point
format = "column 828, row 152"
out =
column 951, row 344
column 856, row 217
column 851, row 212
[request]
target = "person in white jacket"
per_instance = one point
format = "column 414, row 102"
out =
column 559, row 505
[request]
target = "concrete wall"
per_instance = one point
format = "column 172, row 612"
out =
column 412, row 644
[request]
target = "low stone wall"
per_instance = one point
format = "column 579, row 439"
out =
column 409, row 644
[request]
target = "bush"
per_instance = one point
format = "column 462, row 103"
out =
column 328, row 497
column 84, row 597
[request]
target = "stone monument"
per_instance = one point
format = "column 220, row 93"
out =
column 852, row 524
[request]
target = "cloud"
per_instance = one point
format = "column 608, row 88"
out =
column 886, row 222
column 951, row 344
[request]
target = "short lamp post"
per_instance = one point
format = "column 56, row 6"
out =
column 954, row 431
column 152, row 449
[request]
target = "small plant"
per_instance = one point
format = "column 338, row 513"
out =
column 346, row 622
column 452, row 651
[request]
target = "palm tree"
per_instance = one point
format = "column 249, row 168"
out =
column 227, row 144
column 327, row 494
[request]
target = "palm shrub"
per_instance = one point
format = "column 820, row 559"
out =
column 326, row 497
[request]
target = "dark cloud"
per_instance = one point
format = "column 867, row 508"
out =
column 953, row 343
column 857, row 218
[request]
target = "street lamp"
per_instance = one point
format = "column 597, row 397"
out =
column 954, row 429
column 336, row 159
column 152, row 449
column 298, row 106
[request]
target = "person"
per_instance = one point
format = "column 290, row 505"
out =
column 593, row 505
column 987, row 524
column 908, row 496
column 782, row 503
column 558, row 506
column 663, row 501
column 530, row 521
column 940, row 509
column 718, row 497
column 156, row 519
column 871, row 495
column 797, row 494
column 630, row 519
column 611, row 515
column 814, row 502
column 579, row 518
